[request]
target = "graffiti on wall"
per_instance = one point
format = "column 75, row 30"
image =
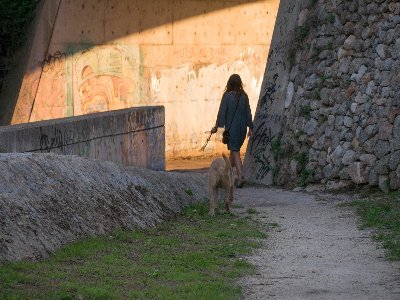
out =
column 271, row 107
column 55, row 139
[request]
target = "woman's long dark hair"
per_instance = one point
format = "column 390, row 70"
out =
column 234, row 84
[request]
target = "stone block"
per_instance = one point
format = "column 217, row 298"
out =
column 384, row 183
column 394, row 181
column 382, row 148
column 373, row 178
column 337, row 185
column 368, row 159
column 385, row 131
column 348, row 157
column 394, row 160
column 357, row 173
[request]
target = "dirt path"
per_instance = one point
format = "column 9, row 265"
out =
column 316, row 251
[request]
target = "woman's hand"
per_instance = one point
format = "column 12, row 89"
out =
column 214, row 129
column 249, row 134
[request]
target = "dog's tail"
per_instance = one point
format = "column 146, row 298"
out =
column 227, row 162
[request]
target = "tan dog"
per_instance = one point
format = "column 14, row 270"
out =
column 220, row 175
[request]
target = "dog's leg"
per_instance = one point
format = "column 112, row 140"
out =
column 229, row 199
column 213, row 200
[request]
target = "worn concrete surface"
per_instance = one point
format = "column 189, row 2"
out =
column 101, row 55
column 48, row 200
column 131, row 137
column 316, row 251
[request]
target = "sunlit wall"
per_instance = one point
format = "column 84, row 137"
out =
column 112, row 54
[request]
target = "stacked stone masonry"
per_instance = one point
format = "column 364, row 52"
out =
column 342, row 106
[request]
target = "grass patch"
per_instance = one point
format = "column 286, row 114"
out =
column 331, row 18
column 237, row 206
column 305, row 175
column 305, row 111
column 252, row 211
column 189, row 192
column 274, row 225
column 301, row 33
column 192, row 257
column 382, row 212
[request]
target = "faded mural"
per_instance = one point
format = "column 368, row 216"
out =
column 88, row 81
column 105, row 78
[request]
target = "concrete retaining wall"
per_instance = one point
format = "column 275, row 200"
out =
column 49, row 200
column 98, row 55
column 131, row 137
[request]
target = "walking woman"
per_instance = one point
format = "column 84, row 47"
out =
column 235, row 116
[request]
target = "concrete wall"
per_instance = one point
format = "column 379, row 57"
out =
column 131, row 137
column 106, row 55
column 259, row 164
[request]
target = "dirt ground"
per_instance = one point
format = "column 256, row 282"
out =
column 314, row 249
column 198, row 165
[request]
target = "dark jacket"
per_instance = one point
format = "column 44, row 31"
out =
column 238, row 122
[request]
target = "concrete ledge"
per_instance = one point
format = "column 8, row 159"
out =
column 132, row 137
column 49, row 200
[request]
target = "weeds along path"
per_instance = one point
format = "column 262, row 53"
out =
column 314, row 250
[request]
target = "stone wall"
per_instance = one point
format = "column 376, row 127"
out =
column 48, row 201
column 131, row 137
column 97, row 55
column 341, row 117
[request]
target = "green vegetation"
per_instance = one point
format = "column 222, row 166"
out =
column 317, row 51
column 305, row 175
column 237, row 206
column 292, row 57
column 251, row 211
column 323, row 79
column 276, row 147
column 322, row 119
column 189, row 192
column 316, row 94
column 302, row 159
column 15, row 15
column 305, row 111
column 382, row 212
column 301, row 33
column 193, row 257
column 331, row 18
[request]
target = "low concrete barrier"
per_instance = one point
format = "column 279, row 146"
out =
column 131, row 137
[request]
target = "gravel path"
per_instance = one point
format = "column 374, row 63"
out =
column 314, row 250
